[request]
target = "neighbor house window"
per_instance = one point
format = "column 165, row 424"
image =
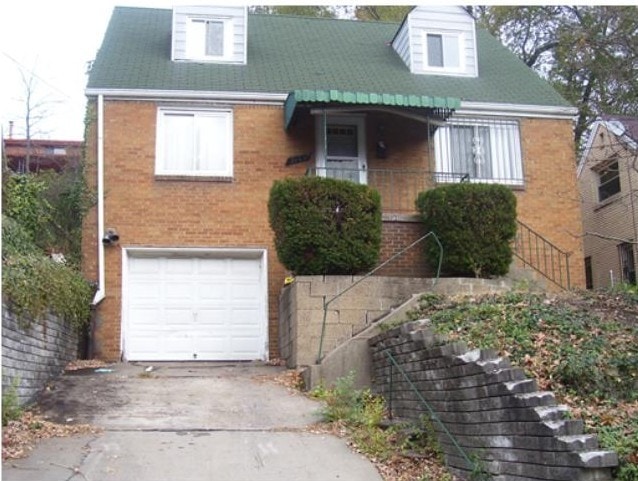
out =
column 589, row 273
column 209, row 38
column 627, row 264
column 443, row 51
column 608, row 181
column 479, row 151
column 198, row 142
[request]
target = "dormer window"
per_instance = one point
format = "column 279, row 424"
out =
column 209, row 38
column 209, row 33
column 438, row 40
column 443, row 51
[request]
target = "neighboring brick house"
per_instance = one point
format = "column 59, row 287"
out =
column 608, row 180
column 41, row 154
column 197, row 110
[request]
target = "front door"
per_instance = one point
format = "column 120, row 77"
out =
column 341, row 148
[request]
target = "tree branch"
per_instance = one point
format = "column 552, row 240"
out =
column 539, row 51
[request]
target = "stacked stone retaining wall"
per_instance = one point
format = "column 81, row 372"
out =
column 493, row 411
column 34, row 353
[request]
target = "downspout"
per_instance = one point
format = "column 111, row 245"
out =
column 101, row 292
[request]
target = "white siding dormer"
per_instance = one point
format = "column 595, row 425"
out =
column 438, row 41
column 213, row 34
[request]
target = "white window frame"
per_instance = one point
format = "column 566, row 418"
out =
column 444, row 69
column 163, row 112
column 505, row 140
column 196, row 43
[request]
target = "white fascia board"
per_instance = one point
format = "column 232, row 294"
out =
column 236, row 97
column 517, row 110
column 593, row 131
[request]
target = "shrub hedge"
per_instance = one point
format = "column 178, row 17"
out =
column 325, row 226
column 475, row 223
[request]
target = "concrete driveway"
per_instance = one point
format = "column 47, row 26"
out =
column 186, row 422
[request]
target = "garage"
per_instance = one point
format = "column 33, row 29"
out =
column 194, row 305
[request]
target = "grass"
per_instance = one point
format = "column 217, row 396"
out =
column 582, row 346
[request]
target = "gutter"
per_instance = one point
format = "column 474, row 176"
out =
column 247, row 97
column 101, row 292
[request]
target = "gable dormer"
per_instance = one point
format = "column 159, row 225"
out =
column 213, row 34
column 438, row 41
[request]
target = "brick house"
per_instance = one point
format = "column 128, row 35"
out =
column 41, row 154
column 608, row 181
column 401, row 107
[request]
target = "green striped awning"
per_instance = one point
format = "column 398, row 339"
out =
column 297, row 97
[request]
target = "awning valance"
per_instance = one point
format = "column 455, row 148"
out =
column 440, row 106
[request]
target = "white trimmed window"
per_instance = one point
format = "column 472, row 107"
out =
column 209, row 38
column 194, row 142
column 443, row 51
column 479, row 151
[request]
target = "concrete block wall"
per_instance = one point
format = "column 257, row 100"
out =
column 490, row 407
column 301, row 307
column 33, row 355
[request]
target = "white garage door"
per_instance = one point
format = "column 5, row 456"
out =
column 195, row 308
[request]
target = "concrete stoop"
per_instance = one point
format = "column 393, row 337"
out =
column 353, row 356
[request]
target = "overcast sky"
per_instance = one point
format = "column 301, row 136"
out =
column 51, row 41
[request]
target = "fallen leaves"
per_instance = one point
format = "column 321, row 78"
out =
column 20, row 437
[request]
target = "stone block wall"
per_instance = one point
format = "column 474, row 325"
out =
column 492, row 410
column 33, row 355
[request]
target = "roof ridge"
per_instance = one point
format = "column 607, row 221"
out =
column 308, row 17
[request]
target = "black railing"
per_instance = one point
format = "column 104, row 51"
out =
column 540, row 254
column 399, row 188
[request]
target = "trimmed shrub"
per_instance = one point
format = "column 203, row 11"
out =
column 325, row 226
column 475, row 223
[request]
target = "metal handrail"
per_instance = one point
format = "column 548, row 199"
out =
column 472, row 465
column 542, row 255
column 383, row 264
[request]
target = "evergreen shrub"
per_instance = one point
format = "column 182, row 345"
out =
column 325, row 226
column 475, row 223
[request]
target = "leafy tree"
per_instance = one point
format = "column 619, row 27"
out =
column 384, row 13
column 589, row 53
column 324, row 11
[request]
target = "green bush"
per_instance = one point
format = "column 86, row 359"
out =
column 475, row 223
column 325, row 226
column 34, row 284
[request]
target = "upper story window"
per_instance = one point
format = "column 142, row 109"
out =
column 479, row 150
column 194, row 142
column 209, row 33
column 443, row 51
column 209, row 38
column 608, row 181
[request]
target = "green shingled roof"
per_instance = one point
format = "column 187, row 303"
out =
column 287, row 53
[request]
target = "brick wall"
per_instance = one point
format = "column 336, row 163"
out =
column 492, row 409
column 550, row 202
column 33, row 355
column 396, row 235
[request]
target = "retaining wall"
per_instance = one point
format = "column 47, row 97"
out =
column 492, row 409
column 33, row 355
